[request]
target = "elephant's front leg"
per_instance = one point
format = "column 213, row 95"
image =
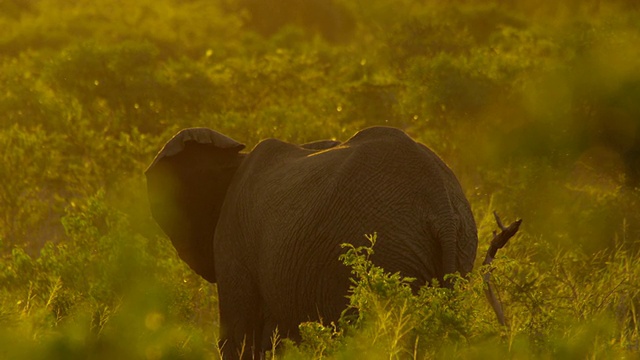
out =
column 241, row 320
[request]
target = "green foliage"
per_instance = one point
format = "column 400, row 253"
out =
column 125, row 294
column 535, row 105
column 567, row 310
column 392, row 322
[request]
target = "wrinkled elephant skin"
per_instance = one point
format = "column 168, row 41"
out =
column 267, row 225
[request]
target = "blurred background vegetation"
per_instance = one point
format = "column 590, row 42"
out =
column 534, row 104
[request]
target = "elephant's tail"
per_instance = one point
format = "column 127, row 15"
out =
column 447, row 237
column 456, row 233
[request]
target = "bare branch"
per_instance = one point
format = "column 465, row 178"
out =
column 495, row 302
column 498, row 242
column 501, row 239
column 495, row 214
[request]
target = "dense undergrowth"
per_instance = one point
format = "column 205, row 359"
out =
column 535, row 105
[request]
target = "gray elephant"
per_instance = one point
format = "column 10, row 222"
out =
column 267, row 225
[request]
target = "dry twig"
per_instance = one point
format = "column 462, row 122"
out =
column 499, row 240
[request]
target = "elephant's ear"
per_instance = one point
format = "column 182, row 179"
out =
column 198, row 136
column 187, row 183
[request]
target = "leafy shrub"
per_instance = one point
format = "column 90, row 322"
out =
column 549, row 310
column 28, row 177
column 103, row 288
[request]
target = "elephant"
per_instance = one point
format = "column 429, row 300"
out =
column 267, row 225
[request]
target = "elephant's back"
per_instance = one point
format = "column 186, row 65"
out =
column 299, row 205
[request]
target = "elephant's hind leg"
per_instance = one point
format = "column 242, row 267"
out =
column 241, row 321
column 271, row 334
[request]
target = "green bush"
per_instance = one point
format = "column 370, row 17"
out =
column 102, row 288
column 550, row 311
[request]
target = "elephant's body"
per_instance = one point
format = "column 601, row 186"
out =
column 289, row 208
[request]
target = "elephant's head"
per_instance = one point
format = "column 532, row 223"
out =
column 187, row 184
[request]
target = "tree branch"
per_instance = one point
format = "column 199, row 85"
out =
column 498, row 242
